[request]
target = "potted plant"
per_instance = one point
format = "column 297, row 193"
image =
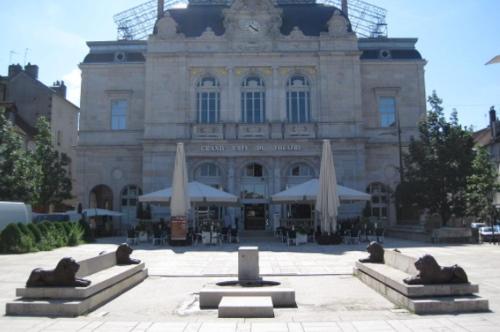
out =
column 301, row 235
column 209, row 234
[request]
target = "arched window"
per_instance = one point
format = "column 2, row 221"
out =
column 300, row 170
column 208, row 100
column 101, row 197
column 253, row 100
column 130, row 195
column 298, row 100
column 207, row 170
column 380, row 200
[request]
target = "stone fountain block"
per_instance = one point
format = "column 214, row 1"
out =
column 210, row 298
column 248, row 264
column 246, row 307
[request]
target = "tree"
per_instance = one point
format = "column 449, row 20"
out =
column 53, row 184
column 17, row 171
column 438, row 163
column 481, row 186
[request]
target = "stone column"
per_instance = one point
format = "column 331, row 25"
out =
column 276, row 188
column 248, row 264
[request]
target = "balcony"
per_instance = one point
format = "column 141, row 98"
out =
column 299, row 130
column 208, row 131
column 253, row 131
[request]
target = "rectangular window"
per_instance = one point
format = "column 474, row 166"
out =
column 387, row 111
column 119, row 108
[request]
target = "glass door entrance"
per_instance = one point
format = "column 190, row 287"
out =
column 255, row 216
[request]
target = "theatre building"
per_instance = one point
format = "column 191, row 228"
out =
column 251, row 88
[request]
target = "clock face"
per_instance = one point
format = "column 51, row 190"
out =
column 251, row 25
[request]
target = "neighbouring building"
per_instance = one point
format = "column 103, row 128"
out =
column 29, row 99
column 252, row 88
column 489, row 138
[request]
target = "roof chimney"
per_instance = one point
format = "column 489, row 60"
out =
column 31, row 70
column 60, row 88
column 14, row 70
column 493, row 122
column 161, row 8
column 345, row 8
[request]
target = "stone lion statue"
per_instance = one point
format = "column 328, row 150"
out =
column 376, row 252
column 431, row 273
column 64, row 275
column 123, row 255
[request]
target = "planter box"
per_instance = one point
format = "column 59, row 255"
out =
column 301, row 238
column 205, row 238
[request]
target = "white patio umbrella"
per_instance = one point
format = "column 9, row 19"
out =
column 307, row 192
column 100, row 213
column 327, row 201
column 199, row 193
column 179, row 203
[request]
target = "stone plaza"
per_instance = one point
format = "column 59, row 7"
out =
column 328, row 296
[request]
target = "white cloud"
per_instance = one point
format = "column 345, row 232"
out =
column 73, row 81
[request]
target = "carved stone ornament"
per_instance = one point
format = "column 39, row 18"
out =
column 430, row 273
column 209, row 34
column 338, row 25
column 376, row 252
column 166, row 27
column 64, row 275
column 296, row 33
column 252, row 19
column 123, row 255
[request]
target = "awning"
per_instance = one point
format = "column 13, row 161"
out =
column 198, row 193
column 307, row 192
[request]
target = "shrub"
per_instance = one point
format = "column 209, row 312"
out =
column 13, row 240
column 61, row 233
column 68, row 227
column 48, row 234
column 40, row 240
column 21, row 238
column 87, row 232
column 75, row 236
column 27, row 231
column 37, row 234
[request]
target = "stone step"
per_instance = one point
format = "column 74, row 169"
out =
column 281, row 297
column 72, row 308
column 100, row 280
column 449, row 305
column 394, row 278
column 246, row 307
column 427, row 305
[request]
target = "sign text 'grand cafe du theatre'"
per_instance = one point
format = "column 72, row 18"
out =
column 252, row 88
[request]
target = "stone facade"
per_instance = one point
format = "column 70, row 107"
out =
column 160, row 80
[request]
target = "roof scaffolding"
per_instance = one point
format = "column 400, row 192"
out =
column 367, row 20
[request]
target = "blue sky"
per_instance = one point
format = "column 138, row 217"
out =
column 456, row 38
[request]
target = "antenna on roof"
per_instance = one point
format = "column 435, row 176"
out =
column 11, row 54
column 25, row 56
column 367, row 20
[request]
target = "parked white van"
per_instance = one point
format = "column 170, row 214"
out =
column 14, row 212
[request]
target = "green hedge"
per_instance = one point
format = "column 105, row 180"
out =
column 22, row 238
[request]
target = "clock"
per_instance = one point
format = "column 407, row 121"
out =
column 251, row 26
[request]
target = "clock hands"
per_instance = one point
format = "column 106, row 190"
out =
column 253, row 28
